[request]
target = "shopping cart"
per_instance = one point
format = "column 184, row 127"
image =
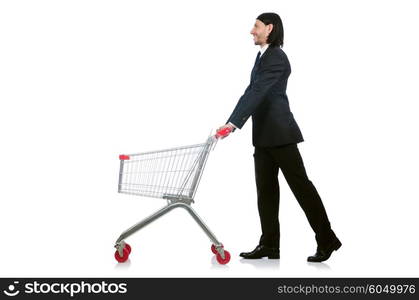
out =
column 171, row 174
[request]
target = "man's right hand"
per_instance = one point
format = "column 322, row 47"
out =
column 228, row 128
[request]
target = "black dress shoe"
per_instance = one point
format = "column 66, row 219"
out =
column 261, row 251
column 324, row 254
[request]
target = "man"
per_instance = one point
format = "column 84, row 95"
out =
column 275, row 138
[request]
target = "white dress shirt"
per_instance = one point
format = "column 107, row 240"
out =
column 263, row 49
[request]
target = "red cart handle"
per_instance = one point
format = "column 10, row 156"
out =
column 223, row 132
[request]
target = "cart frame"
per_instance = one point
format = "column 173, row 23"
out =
column 184, row 197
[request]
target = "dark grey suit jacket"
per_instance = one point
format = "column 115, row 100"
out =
column 265, row 99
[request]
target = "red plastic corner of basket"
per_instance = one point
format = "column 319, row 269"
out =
column 123, row 157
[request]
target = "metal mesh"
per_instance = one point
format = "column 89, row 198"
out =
column 171, row 173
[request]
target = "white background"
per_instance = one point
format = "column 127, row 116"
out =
column 83, row 81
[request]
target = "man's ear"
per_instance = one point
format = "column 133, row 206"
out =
column 270, row 27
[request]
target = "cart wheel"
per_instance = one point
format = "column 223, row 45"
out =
column 225, row 260
column 128, row 247
column 213, row 249
column 125, row 255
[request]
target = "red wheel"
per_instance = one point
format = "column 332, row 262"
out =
column 213, row 249
column 125, row 255
column 225, row 260
column 128, row 247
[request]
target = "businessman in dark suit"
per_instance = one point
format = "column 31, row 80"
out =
column 275, row 138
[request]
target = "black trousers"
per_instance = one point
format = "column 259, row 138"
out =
column 268, row 161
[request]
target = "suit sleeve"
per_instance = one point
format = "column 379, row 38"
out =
column 270, row 72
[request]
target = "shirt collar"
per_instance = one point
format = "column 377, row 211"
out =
column 263, row 49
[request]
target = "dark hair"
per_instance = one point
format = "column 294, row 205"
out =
column 276, row 37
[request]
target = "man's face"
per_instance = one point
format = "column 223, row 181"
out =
column 260, row 32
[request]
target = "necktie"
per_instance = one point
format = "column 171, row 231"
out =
column 254, row 67
column 257, row 59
